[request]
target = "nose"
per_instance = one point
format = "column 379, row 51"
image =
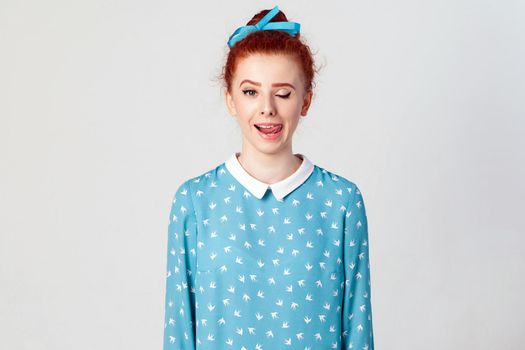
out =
column 268, row 108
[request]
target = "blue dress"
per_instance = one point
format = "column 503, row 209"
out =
column 252, row 266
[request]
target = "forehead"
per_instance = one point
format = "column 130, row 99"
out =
column 268, row 69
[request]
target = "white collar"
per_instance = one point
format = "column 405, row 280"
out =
column 279, row 189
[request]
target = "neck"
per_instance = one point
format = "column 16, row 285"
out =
column 269, row 167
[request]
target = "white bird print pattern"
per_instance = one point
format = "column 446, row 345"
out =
column 249, row 270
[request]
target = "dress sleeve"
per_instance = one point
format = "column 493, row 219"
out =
column 357, row 306
column 179, row 316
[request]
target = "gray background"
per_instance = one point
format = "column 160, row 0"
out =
column 107, row 106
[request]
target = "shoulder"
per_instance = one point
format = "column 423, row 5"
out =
column 191, row 186
column 332, row 181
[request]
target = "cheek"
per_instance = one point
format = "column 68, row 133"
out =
column 292, row 126
column 245, row 109
column 244, row 118
column 292, row 108
column 292, row 114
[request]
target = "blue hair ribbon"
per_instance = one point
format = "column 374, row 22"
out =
column 240, row 33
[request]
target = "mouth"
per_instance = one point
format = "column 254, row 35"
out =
column 269, row 131
column 269, row 128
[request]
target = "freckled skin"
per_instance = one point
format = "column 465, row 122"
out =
column 265, row 103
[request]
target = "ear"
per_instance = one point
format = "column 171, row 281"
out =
column 230, row 103
column 306, row 102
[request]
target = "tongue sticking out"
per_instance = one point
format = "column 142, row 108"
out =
column 273, row 130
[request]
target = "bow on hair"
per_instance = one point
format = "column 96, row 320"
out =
column 240, row 33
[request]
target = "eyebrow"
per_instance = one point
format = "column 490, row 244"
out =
column 259, row 84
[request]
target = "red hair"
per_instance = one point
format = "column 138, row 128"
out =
column 271, row 42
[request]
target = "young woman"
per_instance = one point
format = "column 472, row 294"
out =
column 267, row 250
